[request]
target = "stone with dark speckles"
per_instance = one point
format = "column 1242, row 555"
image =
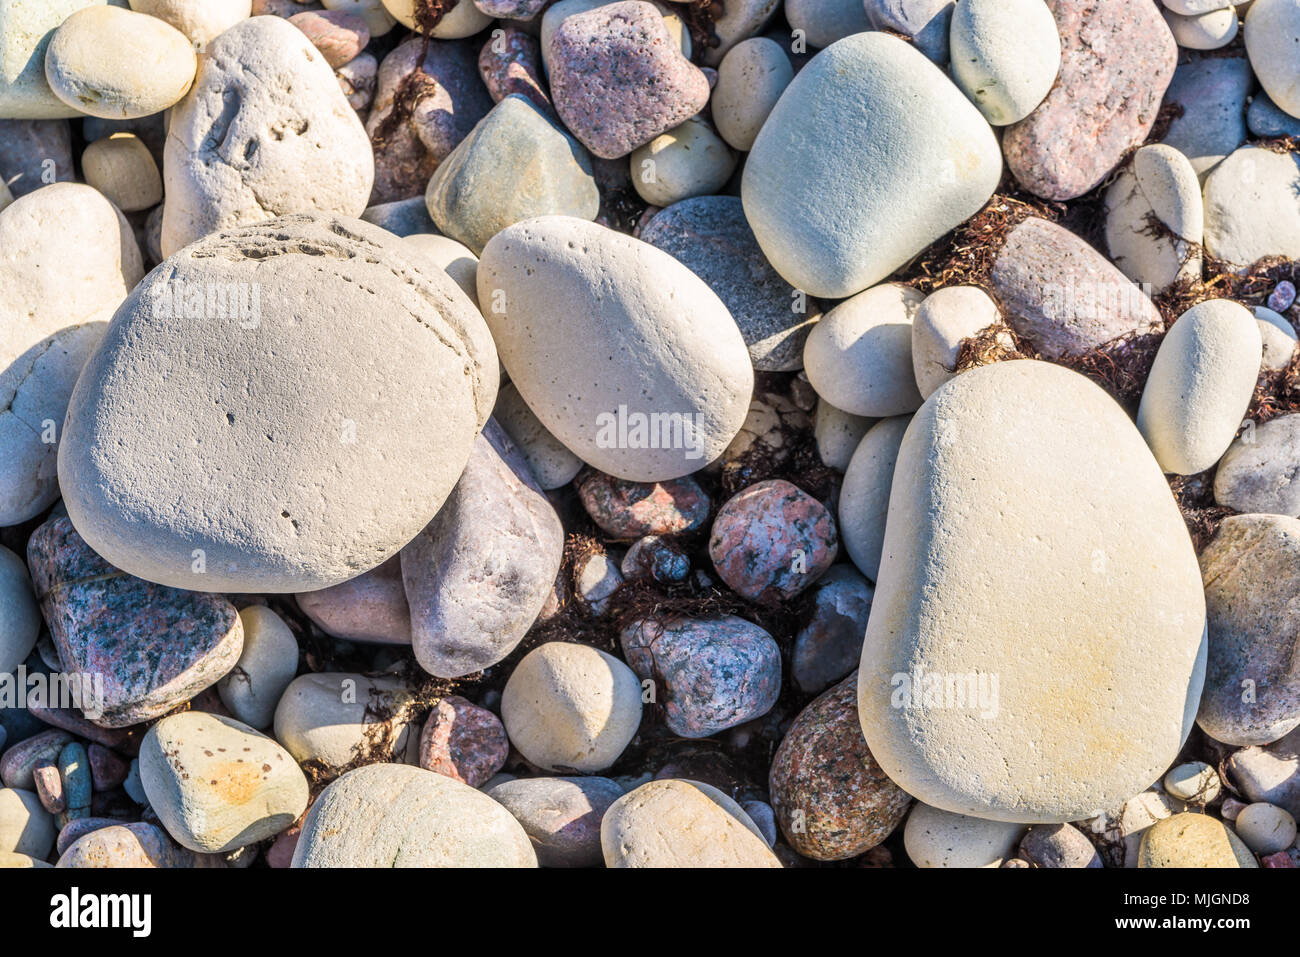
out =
column 626, row 509
column 463, row 741
column 512, row 63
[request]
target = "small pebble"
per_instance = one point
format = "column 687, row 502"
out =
column 463, row 741
column 1265, row 828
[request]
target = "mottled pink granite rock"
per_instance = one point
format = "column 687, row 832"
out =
column 626, row 509
column 370, row 607
column 1117, row 60
column 1064, row 296
column 709, row 675
column 830, row 797
column 154, row 647
column 463, row 741
column 445, row 99
column 511, row 62
column 478, row 575
column 18, row 764
column 772, row 540
column 338, row 35
column 619, row 79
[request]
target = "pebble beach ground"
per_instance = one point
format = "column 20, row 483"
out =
column 517, row 433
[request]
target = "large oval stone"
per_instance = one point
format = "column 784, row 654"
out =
column 1035, row 651
column 623, row 353
column 218, row 440
column 832, row 207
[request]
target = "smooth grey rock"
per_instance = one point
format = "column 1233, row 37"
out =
column 1270, row 773
column 829, row 646
column 1005, row 55
column 1212, row 92
column 561, row 816
column 838, row 433
column 550, row 462
column 1272, row 35
column 307, row 481
column 825, row 21
column 834, row 221
column 1058, row 846
column 927, row 22
column 477, row 576
column 405, row 217
column 935, row 838
column 1155, row 220
column 1260, row 470
column 35, row 153
column 25, row 826
column 1267, row 120
column 267, row 663
column 390, row 815
column 1252, row 207
column 943, row 321
column 864, row 496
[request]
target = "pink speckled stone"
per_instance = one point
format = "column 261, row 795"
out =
column 1280, row 859
column 512, row 63
column 708, row 675
column 830, row 796
column 18, row 764
column 1117, row 60
column 463, row 741
column 49, row 787
column 619, row 79
column 337, row 34
column 772, row 540
column 370, row 607
column 626, row 509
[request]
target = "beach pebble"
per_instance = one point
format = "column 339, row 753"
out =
column 455, row 259
column 1252, row 207
column 709, row 675
column 570, row 707
column 1155, row 219
column 1270, row 773
column 560, row 280
column 595, row 579
column 1272, row 33
column 1267, row 120
column 409, row 147
column 1192, row 840
column 478, row 575
column 463, row 741
column 657, row 559
column 739, row 20
column 125, row 845
column 710, row 236
column 618, row 79
column 26, row 30
column 378, row 19
column 266, row 665
column 1206, row 31
column 547, row 172
column 685, row 161
column 1212, row 92
column 122, row 168
column 1282, row 297
column 20, row 616
column 626, row 509
column 838, row 433
column 927, row 22
column 935, row 838
column 216, row 784
column 53, row 322
column 834, row 222
column 114, row 63
column 18, row 763
column 1194, row 8
column 831, row 799
column 1278, row 337
column 1259, row 471
column 457, row 21
column 939, row 324
column 751, row 78
column 388, row 815
column 1265, row 828
column 550, row 462
column 179, row 642
column 371, row 607
column 241, row 150
column 107, row 769
column 1099, row 621
column 339, row 35
column 679, row 823
column 75, row 781
column 1117, row 60
column 357, row 79
column 337, row 720
column 822, row 22
column 829, row 645
column 561, row 816
column 1062, row 295
column 1200, row 386
column 34, row 153
column 859, row 356
column 772, row 540
column 1195, row 782
column 1252, row 693
column 381, row 474
column 1005, row 56
column 1137, row 816
column 511, row 63
column 864, row 496
column 25, row 826
column 199, row 20
column 1058, row 846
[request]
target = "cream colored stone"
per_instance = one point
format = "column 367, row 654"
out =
column 1200, row 386
column 943, row 320
column 378, row 20
column 1160, row 184
column 340, row 718
column 864, row 496
column 1272, row 36
column 751, row 78
column 267, row 663
column 689, row 160
column 1024, row 478
column 1278, row 337
column 199, row 20
column 1195, row 783
column 1252, row 207
column 117, row 64
column 455, row 259
column 26, row 27
column 570, row 707
column 25, row 826
column 462, row 20
column 935, row 838
column 1206, row 31
column 1190, row 840
column 552, row 464
column 121, row 167
column 838, row 433
column 1005, row 56
column 1265, row 828
column 680, row 823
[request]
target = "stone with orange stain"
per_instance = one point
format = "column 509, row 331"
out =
column 217, row 784
column 626, row 509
